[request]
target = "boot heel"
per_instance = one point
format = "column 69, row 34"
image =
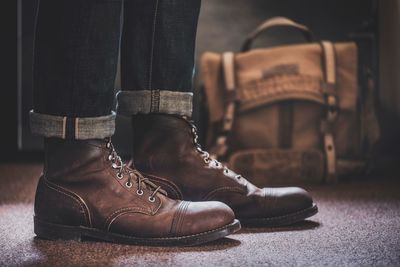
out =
column 52, row 231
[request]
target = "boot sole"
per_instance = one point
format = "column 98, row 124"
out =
column 52, row 231
column 281, row 220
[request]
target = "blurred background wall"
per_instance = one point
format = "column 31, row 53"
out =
column 389, row 74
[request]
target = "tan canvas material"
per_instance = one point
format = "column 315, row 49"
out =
column 288, row 113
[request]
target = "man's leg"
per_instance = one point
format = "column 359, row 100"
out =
column 157, row 56
column 76, row 54
column 156, row 83
column 85, row 189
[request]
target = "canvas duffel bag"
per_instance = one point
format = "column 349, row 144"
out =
column 289, row 113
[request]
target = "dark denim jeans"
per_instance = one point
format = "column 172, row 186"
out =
column 76, row 53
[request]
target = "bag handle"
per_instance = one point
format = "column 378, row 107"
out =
column 275, row 22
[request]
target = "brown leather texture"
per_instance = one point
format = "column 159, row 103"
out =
column 280, row 96
column 164, row 149
column 79, row 187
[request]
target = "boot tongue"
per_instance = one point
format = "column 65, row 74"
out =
column 129, row 169
column 211, row 158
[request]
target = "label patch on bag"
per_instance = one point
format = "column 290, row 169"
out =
column 282, row 69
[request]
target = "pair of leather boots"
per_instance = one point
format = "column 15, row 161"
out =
column 87, row 191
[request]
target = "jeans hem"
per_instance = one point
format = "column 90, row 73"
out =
column 155, row 101
column 72, row 128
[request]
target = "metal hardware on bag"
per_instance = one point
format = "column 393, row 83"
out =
column 330, row 158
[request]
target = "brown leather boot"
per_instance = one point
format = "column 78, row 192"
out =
column 86, row 191
column 167, row 151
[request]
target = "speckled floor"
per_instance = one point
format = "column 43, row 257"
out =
column 358, row 225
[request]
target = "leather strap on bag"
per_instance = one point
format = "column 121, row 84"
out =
column 228, row 65
column 331, row 109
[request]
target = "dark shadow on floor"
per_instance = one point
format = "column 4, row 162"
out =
column 300, row 226
column 223, row 243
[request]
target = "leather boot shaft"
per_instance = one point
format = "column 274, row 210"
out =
column 65, row 157
column 160, row 141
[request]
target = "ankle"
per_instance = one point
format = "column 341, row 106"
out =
column 62, row 156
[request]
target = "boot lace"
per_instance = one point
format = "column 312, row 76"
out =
column 123, row 169
column 204, row 154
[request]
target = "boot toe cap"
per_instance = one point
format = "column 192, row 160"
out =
column 289, row 199
column 200, row 217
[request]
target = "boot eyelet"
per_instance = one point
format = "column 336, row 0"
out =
column 206, row 160
column 226, row 171
column 109, row 157
column 108, row 145
column 152, row 199
column 114, row 166
column 129, row 185
column 120, row 176
column 139, row 192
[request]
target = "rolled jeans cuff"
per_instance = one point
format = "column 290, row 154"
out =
column 155, row 101
column 72, row 128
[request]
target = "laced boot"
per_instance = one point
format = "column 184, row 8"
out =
column 166, row 149
column 86, row 191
